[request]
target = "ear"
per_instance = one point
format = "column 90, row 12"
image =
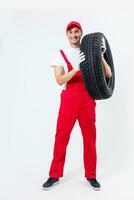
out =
column 67, row 34
column 81, row 34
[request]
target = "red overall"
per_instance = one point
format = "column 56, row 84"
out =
column 76, row 104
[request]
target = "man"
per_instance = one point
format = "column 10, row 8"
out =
column 76, row 104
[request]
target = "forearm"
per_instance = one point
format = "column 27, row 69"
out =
column 66, row 77
column 106, row 68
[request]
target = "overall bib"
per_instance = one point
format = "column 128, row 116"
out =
column 76, row 104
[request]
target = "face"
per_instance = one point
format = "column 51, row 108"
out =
column 74, row 35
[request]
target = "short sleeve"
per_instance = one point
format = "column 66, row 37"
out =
column 57, row 60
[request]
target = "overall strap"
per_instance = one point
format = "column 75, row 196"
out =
column 69, row 66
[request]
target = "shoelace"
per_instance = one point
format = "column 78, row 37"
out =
column 51, row 180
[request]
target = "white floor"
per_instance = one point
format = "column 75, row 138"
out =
column 26, row 184
column 29, row 187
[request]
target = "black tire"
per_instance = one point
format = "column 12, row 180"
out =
column 96, row 84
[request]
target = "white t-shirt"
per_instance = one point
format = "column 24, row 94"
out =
column 70, row 53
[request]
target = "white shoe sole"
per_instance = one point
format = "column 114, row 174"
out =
column 56, row 183
column 96, row 189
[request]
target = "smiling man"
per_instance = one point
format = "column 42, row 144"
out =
column 76, row 104
column 74, row 33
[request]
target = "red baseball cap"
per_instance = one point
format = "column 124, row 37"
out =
column 73, row 24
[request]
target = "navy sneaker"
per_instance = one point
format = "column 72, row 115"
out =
column 50, row 183
column 94, row 183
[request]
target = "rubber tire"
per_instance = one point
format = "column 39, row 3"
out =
column 94, row 79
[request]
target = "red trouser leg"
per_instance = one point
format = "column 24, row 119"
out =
column 87, row 120
column 66, row 120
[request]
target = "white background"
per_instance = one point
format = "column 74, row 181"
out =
column 30, row 34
